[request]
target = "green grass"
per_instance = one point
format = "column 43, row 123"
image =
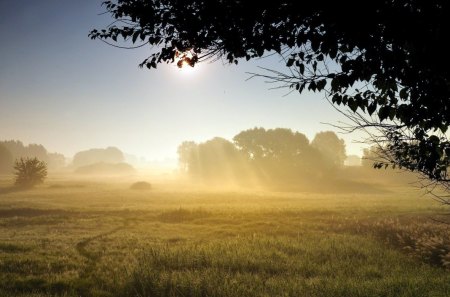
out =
column 96, row 239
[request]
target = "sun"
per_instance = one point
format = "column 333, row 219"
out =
column 186, row 62
column 187, row 69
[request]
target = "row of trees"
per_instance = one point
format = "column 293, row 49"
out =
column 260, row 155
column 30, row 164
column 11, row 150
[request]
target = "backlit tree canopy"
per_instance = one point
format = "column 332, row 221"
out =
column 387, row 58
column 261, row 156
column 331, row 147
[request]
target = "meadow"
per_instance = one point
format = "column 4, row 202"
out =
column 101, row 238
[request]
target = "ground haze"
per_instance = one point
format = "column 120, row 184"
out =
column 102, row 238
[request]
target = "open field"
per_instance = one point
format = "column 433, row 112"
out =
column 80, row 238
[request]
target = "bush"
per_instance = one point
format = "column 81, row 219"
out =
column 141, row 186
column 29, row 172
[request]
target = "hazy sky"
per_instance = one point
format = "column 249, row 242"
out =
column 60, row 89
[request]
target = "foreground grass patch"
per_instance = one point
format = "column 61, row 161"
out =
column 313, row 265
column 109, row 241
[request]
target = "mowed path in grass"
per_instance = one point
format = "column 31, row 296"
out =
column 98, row 239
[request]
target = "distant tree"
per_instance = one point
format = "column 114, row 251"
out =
column 187, row 152
column 19, row 150
column 273, row 157
column 37, row 151
column 6, row 160
column 353, row 160
column 331, row 147
column 16, row 148
column 277, row 144
column 110, row 155
column 377, row 156
column 56, row 161
column 278, row 154
column 389, row 59
column 217, row 160
column 29, row 172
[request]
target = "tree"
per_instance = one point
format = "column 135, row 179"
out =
column 56, row 161
column 389, row 60
column 272, row 157
column 281, row 154
column 372, row 156
column 18, row 150
column 331, row 147
column 109, row 155
column 29, row 172
column 6, row 160
column 187, row 152
column 277, row 144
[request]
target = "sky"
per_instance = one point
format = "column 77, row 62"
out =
column 60, row 89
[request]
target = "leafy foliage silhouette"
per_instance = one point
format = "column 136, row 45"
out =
column 388, row 61
column 29, row 172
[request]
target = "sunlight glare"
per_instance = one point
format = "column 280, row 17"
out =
column 186, row 69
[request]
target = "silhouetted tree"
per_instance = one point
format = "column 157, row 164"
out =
column 279, row 154
column 331, row 147
column 273, row 157
column 389, row 59
column 29, row 172
column 16, row 148
column 109, row 155
column 19, row 150
column 217, row 160
column 214, row 161
column 6, row 160
column 277, row 144
column 36, row 151
column 187, row 152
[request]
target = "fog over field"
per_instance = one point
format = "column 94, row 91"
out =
column 254, row 216
column 223, row 148
column 113, row 236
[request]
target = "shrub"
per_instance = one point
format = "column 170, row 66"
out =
column 141, row 186
column 29, row 172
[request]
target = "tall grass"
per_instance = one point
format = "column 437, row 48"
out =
column 106, row 240
column 313, row 265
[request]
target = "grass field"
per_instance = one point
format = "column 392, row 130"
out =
column 80, row 238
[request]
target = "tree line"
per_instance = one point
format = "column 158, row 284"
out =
column 97, row 160
column 11, row 150
column 272, row 156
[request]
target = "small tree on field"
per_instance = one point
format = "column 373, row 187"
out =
column 29, row 172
